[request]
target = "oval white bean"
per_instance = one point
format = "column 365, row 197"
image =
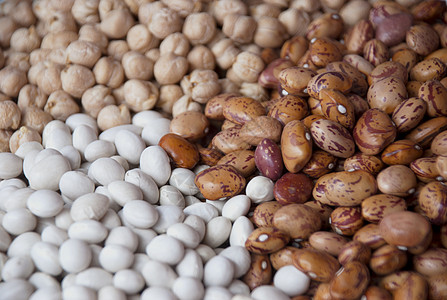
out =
column 17, row 199
column 144, row 236
column 185, row 234
column 218, row 271
column 45, row 203
column 205, row 252
column 240, row 257
column 94, row 278
column 165, row 249
column 17, row 267
column 191, row 265
column 47, row 293
column 140, row 214
column 291, row 281
column 143, row 117
column 82, row 136
column 111, row 219
column 74, row 184
column 89, row 206
column 79, row 119
column 46, row 258
column 22, row 244
column 42, row 280
column 90, row 231
column 73, row 156
column 105, row 170
column 129, row 145
column 54, row 235
column 217, row 231
column 170, row 195
column 19, row 221
column 123, row 192
column 260, row 189
column 188, row 288
column 158, row 292
column 10, row 165
column 242, row 228
column 45, row 173
column 158, row 274
column 167, row 215
column 154, row 130
column 267, row 292
column 17, row 289
column 236, row 206
column 155, row 162
column 76, row 292
column 129, row 281
column 74, row 256
column 110, row 134
column 183, row 180
column 145, row 182
column 217, row 292
column 123, row 236
column 115, row 257
column 203, row 210
column 197, row 223
column 99, row 148
column 111, row 292
column 5, row 240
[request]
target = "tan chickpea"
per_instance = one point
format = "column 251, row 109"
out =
column 202, row 85
column 58, row 56
column 22, row 135
column 23, row 14
column 239, row 28
column 92, row 33
column 199, row 28
column 60, row 105
column 118, row 94
column 76, row 79
column 112, row 116
column 83, row 53
column 19, row 60
column 140, row 39
column 31, row 95
column 270, row 33
column 176, row 43
column 2, row 58
column 117, row 49
column 264, row 10
column 354, row 11
column 134, row 5
column 7, row 28
column 5, row 137
column 64, row 6
column 109, row 72
column 168, row 95
column 170, row 68
column 220, row 9
column 147, row 10
column 225, row 53
column 184, row 8
column 34, row 71
column 12, row 80
column 38, row 55
column 85, row 11
column 107, row 6
column 35, row 118
column 137, row 66
column 25, row 39
column 248, row 66
column 117, row 23
column 96, row 98
column 10, row 115
column 295, row 21
column 309, row 6
column 164, row 22
column 201, row 57
column 140, row 95
column 60, row 39
column 153, row 54
column 254, row 90
column 49, row 78
column 59, row 21
column 185, row 103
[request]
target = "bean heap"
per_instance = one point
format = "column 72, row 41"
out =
column 187, row 149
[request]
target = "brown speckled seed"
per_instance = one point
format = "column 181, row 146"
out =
column 333, row 138
column 433, row 202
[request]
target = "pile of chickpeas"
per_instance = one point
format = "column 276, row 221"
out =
column 199, row 149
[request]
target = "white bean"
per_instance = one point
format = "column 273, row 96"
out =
column 167, row 215
column 217, row 231
column 122, row 161
column 10, row 165
column 268, row 292
column 185, row 234
column 191, row 265
column 129, row 281
column 240, row 257
column 291, row 281
column 155, row 162
column 19, row 221
column 78, row 292
column 89, row 206
column 156, row 273
column 219, row 204
column 94, row 278
column 18, row 183
column 242, row 228
column 145, row 182
column 170, row 195
column 123, row 236
column 236, row 206
column 22, row 244
column 183, row 179
column 105, row 170
column 203, row 210
column 17, row 267
column 63, row 220
column 190, row 200
column 79, row 119
column 218, row 271
column 260, row 189
column 45, row 173
column 68, row 280
column 17, row 289
column 111, row 293
column 96, row 249
column 144, row 236
column 27, row 147
column 140, row 214
column 5, row 194
column 109, row 134
column 140, row 259
column 205, row 252
column 47, row 293
column 143, row 117
column 54, row 235
column 238, row 287
column 42, row 280
column 166, row 249
column 158, row 292
column 5, row 240
column 90, row 231
column 73, row 156
column 99, row 148
column 187, row 288
column 111, row 219
column 46, row 258
column 217, row 293
column 56, row 135
column 82, row 136
column 45, row 203
column 129, row 145
column 74, row 255
column 154, row 130
column 115, row 257
column 74, row 184
column 17, row 199
column 123, row 192
column 197, row 223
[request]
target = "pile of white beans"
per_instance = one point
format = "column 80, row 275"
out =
column 106, row 217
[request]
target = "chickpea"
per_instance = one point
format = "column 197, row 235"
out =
column 96, row 98
column 295, row 21
column 19, row 60
column 117, row 23
column 308, row 6
column 168, row 95
column 25, row 39
column 85, row 11
column 60, row 39
column 58, row 56
column 134, row 5
column 164, row 22
column 12, row 80
column 201, row 57
column 140, row 95
column 23, row 14
column 220, row 9
column 106, row 6
column 64, row 6
column 137, row 66
column 270, row 33
column 5, row 136
column 176, row 43
column 38, row 55
column 76, row 79
column 185, row 103
column 22, row 135
column 332, row 5
column 34, row 71
column 199, row 28
column 7, row 28
column 31, row 95
column 254, row 90
column 184, row 8
column 202, row 85
column 49, row 79
column 248, row 66
column 2, row 58
column 225, row 53
column 147, row 10
column 253, row 48
column 354, row 11
column 117, row 49
column 83, row 53
column 170, row 68
column 233, row 77
column 118, row 94
column 239, row 28
column 92, row 33
column 109, row 72
column 264, row 10
column 140, row 39
column 60, row 105
column 153, row 54
column 228, row 86
column 10, row 113
column 60, row 21
column 112, row 116
column 43, row 9
column 36, row 118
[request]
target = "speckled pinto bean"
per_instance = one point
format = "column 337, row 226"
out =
column 336, row 107
column 401, row 152
column 434, row 94
column 350, row 282
column 346, row 220
column 439, row 144
column 333, row 80
column 242, row 160
column 289, row 108
column 297, row 220
column 296, row 146
column 260, row 271
column 374, row 208
column 409, row 113
column 433, row 202
column 242, row 109
column 265, row 240
column 317, row 264
column 294, row 80
column 319, row 164
column 263, row 213
column 333, row 138
column 360, row 161
column 254, row 131
column 268, row 159
column 183, row 153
